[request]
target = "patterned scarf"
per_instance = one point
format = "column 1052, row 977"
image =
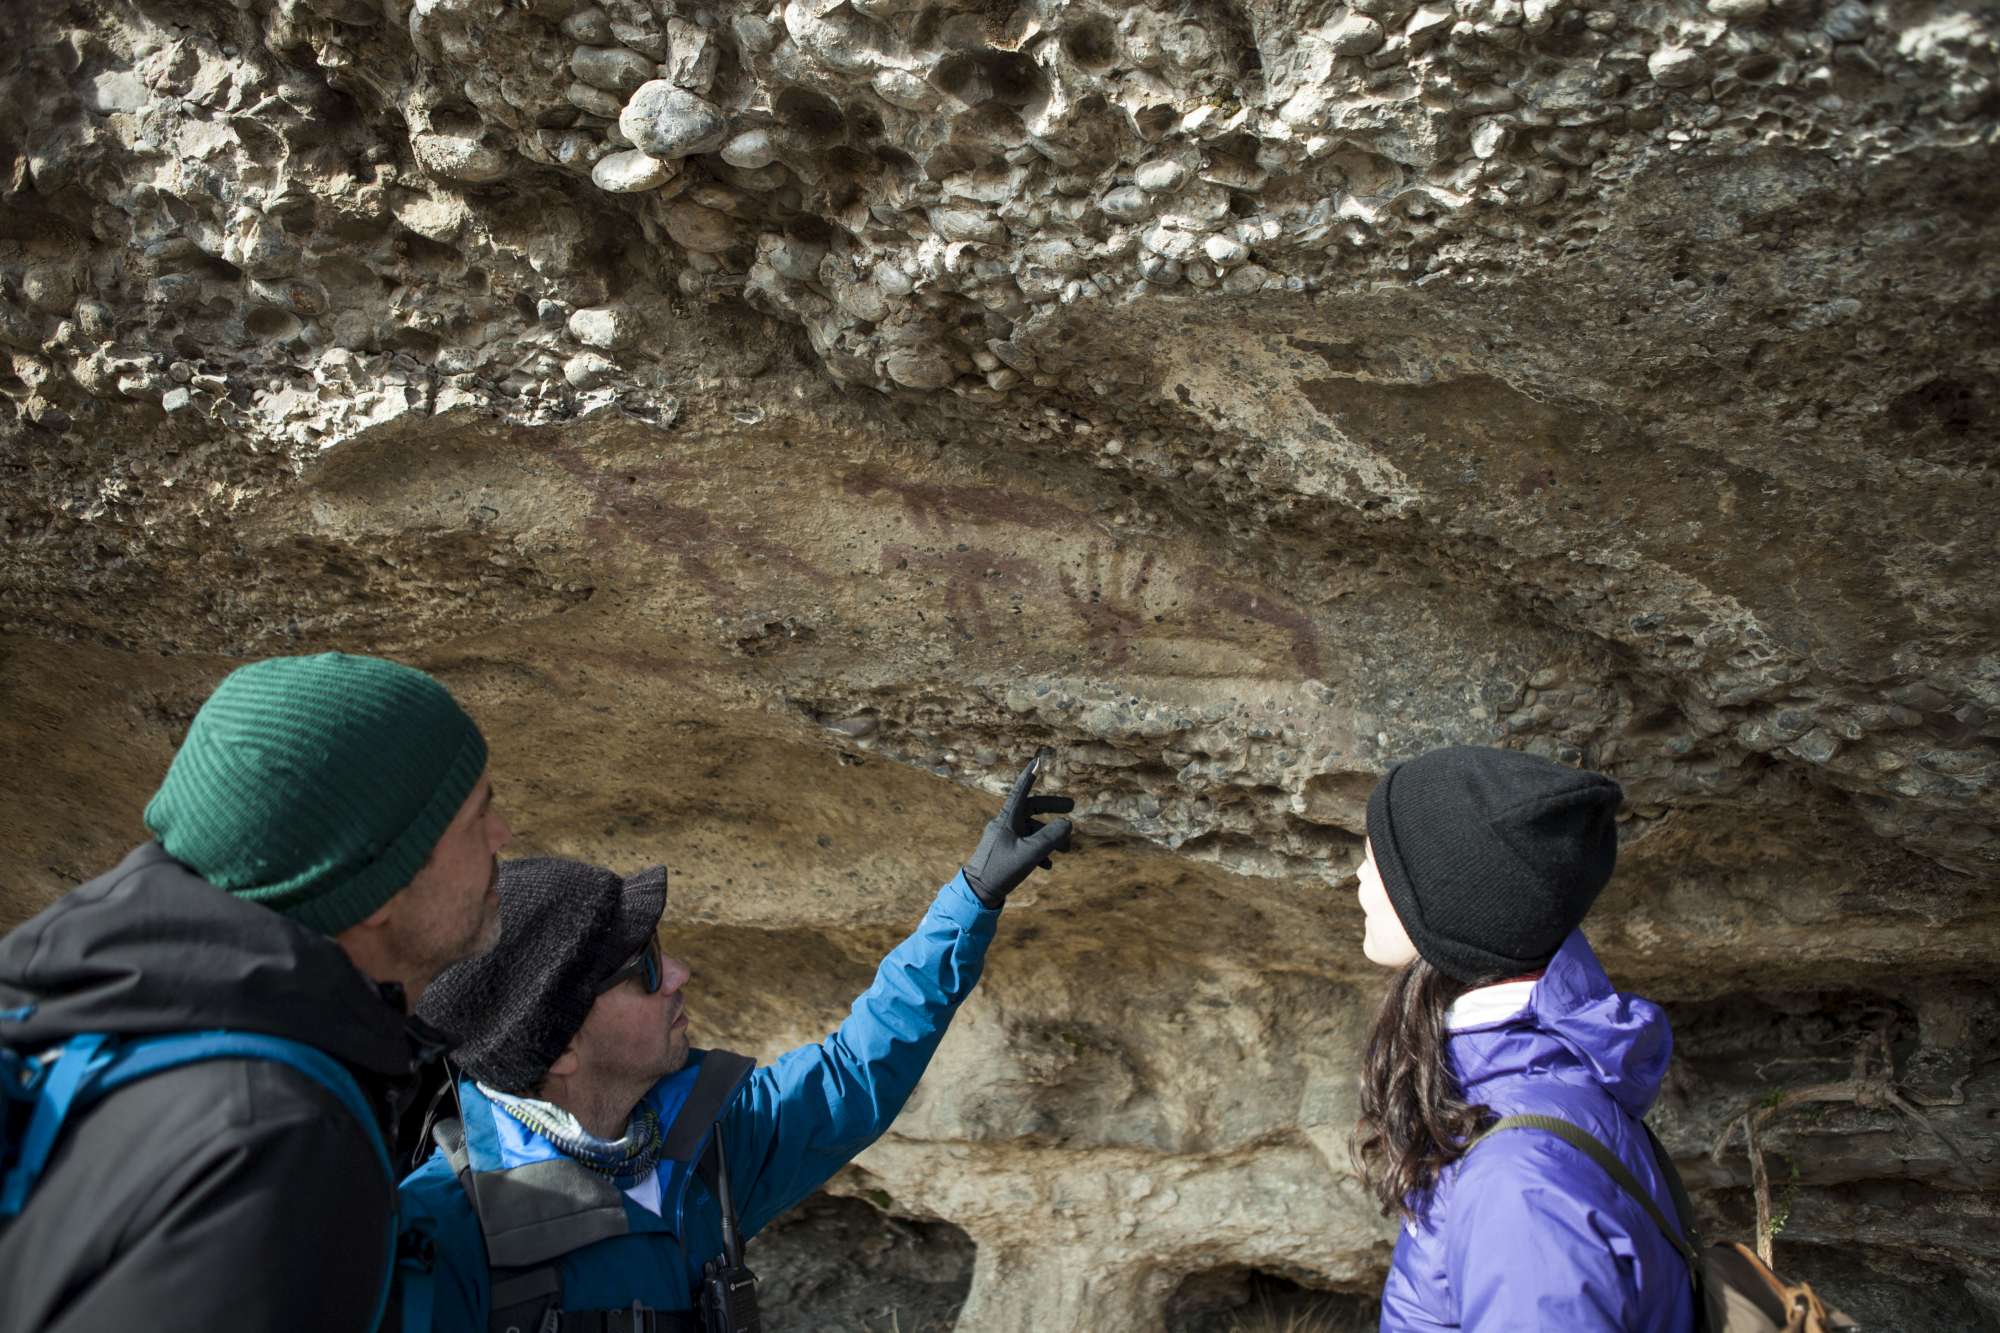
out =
column 624, row 1162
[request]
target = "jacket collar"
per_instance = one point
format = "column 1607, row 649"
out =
column 534, row 1204
column 152, row 947
column 514, row 1144
column 1575, row 1027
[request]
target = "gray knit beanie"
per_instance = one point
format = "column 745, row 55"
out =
column 564, row 927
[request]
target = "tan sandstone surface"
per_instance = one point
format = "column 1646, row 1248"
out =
column 778, row 423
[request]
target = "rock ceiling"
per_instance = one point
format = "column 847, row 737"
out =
column 778, row 422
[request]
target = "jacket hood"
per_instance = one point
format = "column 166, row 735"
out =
column 152, row 947
column 1575, row 1027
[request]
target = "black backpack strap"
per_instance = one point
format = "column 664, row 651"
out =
column 523, row 1299
column 1676, row 1187
column 629, row 1321
column 709, row 1174
column 720, row 1077
column 1592, row 1147
column 449, row 1135
column 529, row 1300
column 722, row 1074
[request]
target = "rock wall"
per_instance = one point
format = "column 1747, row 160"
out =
column 777, row 423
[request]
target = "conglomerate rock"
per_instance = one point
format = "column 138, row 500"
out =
column 778, row 423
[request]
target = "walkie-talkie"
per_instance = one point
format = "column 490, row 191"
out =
column 728, row 1288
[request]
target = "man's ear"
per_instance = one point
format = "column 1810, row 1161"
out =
column 565, row 1064
column 366, row 934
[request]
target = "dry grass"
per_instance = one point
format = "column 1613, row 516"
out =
column 1313, row 1319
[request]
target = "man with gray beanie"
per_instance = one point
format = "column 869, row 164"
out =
column 600, row 1174
column 324, row 844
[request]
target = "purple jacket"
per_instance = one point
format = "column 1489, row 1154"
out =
column 1526, row 1232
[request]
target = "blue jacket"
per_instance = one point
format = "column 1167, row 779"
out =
column 785, row 1129
column 1526, row 1232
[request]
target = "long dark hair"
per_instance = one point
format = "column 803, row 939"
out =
column 1414, row 1117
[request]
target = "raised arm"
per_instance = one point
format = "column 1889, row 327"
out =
column 804, row 1117
column 801, row 1119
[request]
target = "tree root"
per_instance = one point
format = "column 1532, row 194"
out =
column 1871, row 1088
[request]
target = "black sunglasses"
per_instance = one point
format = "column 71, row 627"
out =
column 645, row 965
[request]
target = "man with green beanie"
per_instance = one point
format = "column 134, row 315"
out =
column 324, row 844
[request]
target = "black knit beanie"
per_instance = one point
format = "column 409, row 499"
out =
column 564, row 927
column 1491, row 857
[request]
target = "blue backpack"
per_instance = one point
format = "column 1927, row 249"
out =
column 40, row 1090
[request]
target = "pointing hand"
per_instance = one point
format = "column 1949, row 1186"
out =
column 1015, row 842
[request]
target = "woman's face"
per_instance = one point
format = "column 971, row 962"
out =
column 1386, row 942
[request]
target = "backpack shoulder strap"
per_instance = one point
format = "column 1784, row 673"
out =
column 522, row 1299
column 722, row 1075
column 449, row 1135
column 716, row 1084
column 524, row 1296
column 54, row 1086
column 1592, row 1147
column 517, row 1298
column 1676, row 1187
column 154, row 1055
column 93, row 1065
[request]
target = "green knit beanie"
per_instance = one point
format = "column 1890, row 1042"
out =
column 317, row 786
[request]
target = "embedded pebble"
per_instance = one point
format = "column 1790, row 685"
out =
column 1224, row 251
column 612, row 68
column 641, row 36
column 1538, row 16
column 691, row 57
column 1243, row 281
column 1849, row 21
column 1676, row 67
column 1426, row 25
column 795, row 259
column 965, row 224
column 900, row 88
column 1355, row 35
column 593, row 100
column 700, row 228
column 751, row 149
column 460, row 157
column 607, row 327
column 631, row 171
column 1172, row 242
column 754, row 37
column 1161, row 176
column 672, row 122
column 771, row 177
column 1127, row 203
column 919, row 368
column 588, row 370
column 589, row 25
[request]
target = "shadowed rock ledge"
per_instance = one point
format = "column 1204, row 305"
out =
column 778, row 422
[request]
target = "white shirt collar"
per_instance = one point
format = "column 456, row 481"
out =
column 1488, row 1004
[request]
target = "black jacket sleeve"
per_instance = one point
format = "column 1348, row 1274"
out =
column 258, row 1204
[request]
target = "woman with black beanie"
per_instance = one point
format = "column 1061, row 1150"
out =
column 1480, row 865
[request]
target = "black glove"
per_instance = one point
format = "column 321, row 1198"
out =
column 1015, row 844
